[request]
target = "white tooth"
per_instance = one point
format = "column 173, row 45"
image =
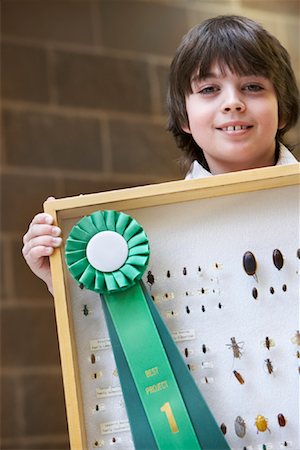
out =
column 230, row 128
column 238, row 127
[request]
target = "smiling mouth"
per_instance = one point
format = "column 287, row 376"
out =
column 235, row 128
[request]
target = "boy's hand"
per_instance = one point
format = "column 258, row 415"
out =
column 39, row 243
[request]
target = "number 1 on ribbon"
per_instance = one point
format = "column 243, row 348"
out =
column 166, row 408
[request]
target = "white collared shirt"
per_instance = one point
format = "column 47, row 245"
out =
column 197, row 171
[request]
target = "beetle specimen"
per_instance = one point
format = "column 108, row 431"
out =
column 184, row 271
column 261, row 423
column 204, row 348
column 236, row 347
column 223, row 428
column 239, row 377
column 85, row 310
column 93, row 358
column 203, row 308
column 254, row 293
column 298, row 253
column 296, row 338
column 240, row 427
column 278, row 259
column 186, row 352
column 268, row 343
column 281, row 420
column 150, row 278
column 187, row 309
column 272, row 290
column 284, row 287
column 269, row 366
column 168, row 274
column 249, row 264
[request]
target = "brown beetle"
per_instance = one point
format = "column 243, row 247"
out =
column 281, row 420
column 239, row 377
column 278, row 259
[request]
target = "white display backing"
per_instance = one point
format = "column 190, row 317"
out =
column 208, row 307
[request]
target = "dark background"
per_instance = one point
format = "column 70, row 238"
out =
column 83, row 92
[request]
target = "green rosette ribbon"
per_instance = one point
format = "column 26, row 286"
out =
column 108, row 252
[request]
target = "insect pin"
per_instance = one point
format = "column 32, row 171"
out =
column 278, row 259
column 249, row 264
column 150, row 278
column 268, row 343
column 269, row 366
column 239, row 377
column 261, row 423
column 236, row 347
column 240, row 427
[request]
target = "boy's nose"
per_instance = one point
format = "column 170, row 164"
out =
column 233, row 103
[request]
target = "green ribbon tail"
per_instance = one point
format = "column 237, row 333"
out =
column 151, row 371
column 140, row 429
column 207, row 430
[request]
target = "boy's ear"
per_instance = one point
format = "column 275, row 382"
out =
column 186, row 129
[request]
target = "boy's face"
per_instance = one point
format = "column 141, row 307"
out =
column 234, row 119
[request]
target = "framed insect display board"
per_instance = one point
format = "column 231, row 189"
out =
column 223, row 274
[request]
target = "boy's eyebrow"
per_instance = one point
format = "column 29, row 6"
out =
column 196, row 77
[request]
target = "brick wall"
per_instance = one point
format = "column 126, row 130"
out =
column 83, row 88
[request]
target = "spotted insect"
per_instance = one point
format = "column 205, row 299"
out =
column 261, row 423
column 278, row 259
column 269, row 366
column 240, row 427
column 249, row 264
column 236, row 347
column 268, row 343
column 281, row 420
column 239, row 377
column 150, row 278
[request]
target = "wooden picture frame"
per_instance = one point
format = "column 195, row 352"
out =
column 254, row 188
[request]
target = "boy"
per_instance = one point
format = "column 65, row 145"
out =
column 232, row 97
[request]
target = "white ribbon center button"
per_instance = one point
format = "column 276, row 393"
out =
column 107, row 251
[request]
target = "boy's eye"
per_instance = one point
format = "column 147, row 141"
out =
column 207, row 90
column 253, row 87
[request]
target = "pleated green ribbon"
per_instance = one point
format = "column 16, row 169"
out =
column 108, row 252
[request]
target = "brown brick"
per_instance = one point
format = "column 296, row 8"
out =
column 28, row 337
column 96, row 81
column 23, row 198
column 24, row 73
column 44, row 405
column 142, row 26
column 51, row 141
column 143, row 148
column 76, row 187
column 28, row 285
column 10, row 408
column 47, row 20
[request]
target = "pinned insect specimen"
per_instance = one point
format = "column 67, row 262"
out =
column 261, row 423
column 184, row 271
column 204, row 348
column 207, row 380
column 187, row 310
column 296, row 338
column 85, row 310
column 236, row 347
column 272, row 290
column 81, row 286
column 93, row 358
column 269, row 366
column 150, row 278
column 278, row 259
column 240, row 427
column 298, row 253
column 268, row 343
column 203, row 308
column 249, row 264
column 239, row 377
column 284, row 287
column 220, row 306
column 254, row 293
column 223, row 428
column 168, row 274
column 281, row 420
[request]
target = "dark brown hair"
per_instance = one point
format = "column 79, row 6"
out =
column 246, row 48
